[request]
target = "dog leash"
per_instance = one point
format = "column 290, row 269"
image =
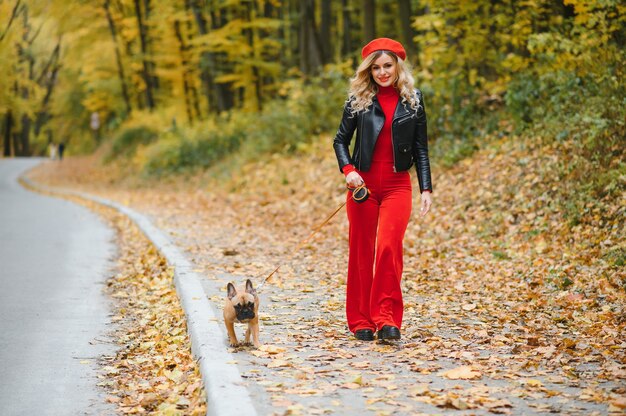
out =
column 356, row 190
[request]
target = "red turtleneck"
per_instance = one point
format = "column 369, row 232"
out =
column 388, row 99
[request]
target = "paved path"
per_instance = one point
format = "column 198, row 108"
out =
column 54, row 258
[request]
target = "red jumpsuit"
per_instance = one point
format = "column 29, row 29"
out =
column 377, row 226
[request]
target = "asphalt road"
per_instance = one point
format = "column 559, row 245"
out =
column 54, row 317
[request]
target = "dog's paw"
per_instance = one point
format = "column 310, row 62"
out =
column 234, row 344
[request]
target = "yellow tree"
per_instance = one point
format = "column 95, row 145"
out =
column 248, row 42
column 30, row 48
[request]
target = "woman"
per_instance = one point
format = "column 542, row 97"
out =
column 388, row 115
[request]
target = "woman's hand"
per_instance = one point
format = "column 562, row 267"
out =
column 426, row 203
column 354, row 179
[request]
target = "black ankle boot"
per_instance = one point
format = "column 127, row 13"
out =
column 389, row 332
column 364, row 335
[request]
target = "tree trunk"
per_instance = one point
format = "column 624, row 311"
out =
column 183, row 58
column 25, row 136
column 283, row 31
column 310, row 49
column 8, row 126
column 408, row 34
column 225, row 93
column 22, row 140
column 219, row 97
column 206, row 59
column 346, row 44
column 48, row 77
column 303, row 40
column 151, row 65
column 272, row 12
column 16, row 143
column 195, row 101
column 325, row 25
column 192, row 72
column 251, row 14
column 145, row 74
column 118, row 58
column 294, row 19
column 369, row 20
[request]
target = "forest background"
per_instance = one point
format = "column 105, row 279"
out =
column 176, row 86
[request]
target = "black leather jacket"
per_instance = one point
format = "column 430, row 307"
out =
column 408, row 137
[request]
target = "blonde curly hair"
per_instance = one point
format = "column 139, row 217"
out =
column 363, row 88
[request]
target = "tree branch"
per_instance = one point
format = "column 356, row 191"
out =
column 13, row 16
column 32, row 40
column 53, row 58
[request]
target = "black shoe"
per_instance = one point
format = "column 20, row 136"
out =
column 389, row 332
column 364, row 335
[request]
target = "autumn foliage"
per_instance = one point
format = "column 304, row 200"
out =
column 207, row 66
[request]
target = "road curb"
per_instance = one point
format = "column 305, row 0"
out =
column 226, row 393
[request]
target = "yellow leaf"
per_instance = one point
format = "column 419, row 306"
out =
column 533, row 383
column 541, row 246
column 278, row 363
column 465, row 372
column 271, row 349
column 175, row 375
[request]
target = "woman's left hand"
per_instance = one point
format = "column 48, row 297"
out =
column 426, row 203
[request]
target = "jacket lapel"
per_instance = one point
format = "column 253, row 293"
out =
column 401, row 110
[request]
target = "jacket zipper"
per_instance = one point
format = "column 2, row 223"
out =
column 393, row 146
column 361, row 146
column 393, row 150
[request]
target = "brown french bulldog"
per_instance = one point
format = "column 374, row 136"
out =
column 242, row 305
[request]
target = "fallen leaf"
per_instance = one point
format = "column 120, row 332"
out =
column 619, row 403
column 271, row 349
column 361, row 364
column 533, row 383
column 278, row 363
column 461, row 373
column 420, row 390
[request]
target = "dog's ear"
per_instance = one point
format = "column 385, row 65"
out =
column 249, row 288
column 232, row 292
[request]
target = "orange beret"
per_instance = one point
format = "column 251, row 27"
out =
column 384, row 44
